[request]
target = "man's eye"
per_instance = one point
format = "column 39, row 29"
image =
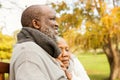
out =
column 56, row 27
column 52, row 18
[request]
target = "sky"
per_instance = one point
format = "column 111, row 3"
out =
column 10, row 15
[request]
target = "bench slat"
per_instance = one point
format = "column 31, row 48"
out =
column 4, row 68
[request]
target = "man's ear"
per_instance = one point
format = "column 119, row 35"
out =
column 35, row 24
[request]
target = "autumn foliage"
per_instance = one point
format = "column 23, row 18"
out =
column 6, row 45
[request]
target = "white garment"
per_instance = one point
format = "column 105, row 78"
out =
column 30, row 62
column 78, row 71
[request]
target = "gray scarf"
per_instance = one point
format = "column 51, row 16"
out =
column 31, row 34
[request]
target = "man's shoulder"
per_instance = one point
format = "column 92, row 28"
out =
column 25, row 48
column 27, row 51
column 29, row 48
column 26, row 44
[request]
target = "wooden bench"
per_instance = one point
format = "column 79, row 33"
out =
column 4, row 68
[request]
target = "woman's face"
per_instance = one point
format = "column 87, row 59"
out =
column 65, row 54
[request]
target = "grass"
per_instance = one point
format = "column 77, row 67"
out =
column 96, row 66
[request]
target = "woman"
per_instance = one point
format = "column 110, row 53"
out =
column 73, row 68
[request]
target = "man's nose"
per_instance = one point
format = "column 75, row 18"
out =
column 56, row 24
column 56, row 27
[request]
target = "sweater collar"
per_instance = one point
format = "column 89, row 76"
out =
column 31, row 34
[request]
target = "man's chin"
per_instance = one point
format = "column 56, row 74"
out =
column 53, row 38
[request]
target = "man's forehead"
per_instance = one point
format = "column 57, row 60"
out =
column 48, row 10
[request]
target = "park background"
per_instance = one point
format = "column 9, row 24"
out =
column 91, row 28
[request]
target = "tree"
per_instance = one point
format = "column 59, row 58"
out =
column 6, row 44
column 102, row 29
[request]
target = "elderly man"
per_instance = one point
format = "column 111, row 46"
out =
column 34, row 53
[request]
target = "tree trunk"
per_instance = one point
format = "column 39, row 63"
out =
column 115, row 68
column 113, row 56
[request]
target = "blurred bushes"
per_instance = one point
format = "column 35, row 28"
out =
column 6, row 45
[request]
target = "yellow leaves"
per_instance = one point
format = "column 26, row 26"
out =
column 6, row 44
column 88, row 25
column 5, row 55
column 115, row 12
column 103, row 9
column 60, row 7
column 107, row 21
column 70, row 34
column 111, row 22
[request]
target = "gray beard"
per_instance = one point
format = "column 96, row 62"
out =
column 49, row 32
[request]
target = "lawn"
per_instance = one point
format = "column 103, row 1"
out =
column 96, row 66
